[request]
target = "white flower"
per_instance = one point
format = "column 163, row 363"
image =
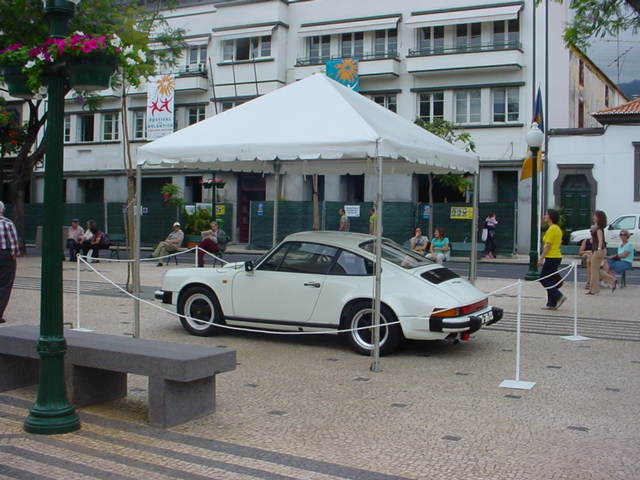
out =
column 115, row 41
column 127, row 50
column 29, row 64
column 142, row 55
column 78, row 32
column 41, row 57
column 131, row 61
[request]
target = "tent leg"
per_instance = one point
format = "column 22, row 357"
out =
column 375, row 364
column 276, row 171
column 474, row 230
column 136, row 247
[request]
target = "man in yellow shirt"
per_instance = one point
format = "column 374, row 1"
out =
column 550, row 261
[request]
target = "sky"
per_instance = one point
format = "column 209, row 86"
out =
column 605, row 51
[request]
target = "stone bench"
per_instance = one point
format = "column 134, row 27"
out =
column 181, row 377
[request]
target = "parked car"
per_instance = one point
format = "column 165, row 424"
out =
column 315, row 281
column 630, row 221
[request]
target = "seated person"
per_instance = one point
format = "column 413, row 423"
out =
column 419, row 243
column 170, row 244
column 439, row 250
column 74, row 239
column 213, row 241
column 92, row 241
column 623, row 260
column 586, row 250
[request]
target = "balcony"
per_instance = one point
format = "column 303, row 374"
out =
column 370, row 64
column 188, row 78
column 502, row 56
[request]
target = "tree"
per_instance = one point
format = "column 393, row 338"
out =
column 447, row 131
column 23, row 22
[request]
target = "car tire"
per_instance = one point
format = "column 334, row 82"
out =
column 200, row 303
column 360, row 314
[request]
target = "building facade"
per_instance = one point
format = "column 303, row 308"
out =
column 476, row 65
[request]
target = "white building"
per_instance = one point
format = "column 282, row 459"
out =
column 468, row 62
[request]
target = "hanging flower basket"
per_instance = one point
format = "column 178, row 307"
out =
column 91, row 72
column 16, row 81
column 220, row 184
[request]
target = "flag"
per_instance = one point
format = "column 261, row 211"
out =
column 538, row 117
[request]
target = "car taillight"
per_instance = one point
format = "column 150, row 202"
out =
column 451, row 312
column 474, row 307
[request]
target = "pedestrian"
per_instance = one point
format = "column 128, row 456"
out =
column 550, row 259
column 170, row 244
column 213, row 241
column 586, row 250
column 599, row 252
column 74, row 239
column 345, row 224
column 439, row 249
column 623, row 260
column 9, row 250
column 488, row 235
column 373, row 221
column 419, row 243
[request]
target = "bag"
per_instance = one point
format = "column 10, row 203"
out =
column 485, row 234
column 105, row 240
column 222, row 240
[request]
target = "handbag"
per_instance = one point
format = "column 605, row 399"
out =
column 485, row 234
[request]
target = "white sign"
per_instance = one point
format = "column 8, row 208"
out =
column 160, row 100
column 352, row 210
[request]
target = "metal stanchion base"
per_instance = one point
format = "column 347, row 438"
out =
column 81, row 330
column 517, row 384
column 575, row 338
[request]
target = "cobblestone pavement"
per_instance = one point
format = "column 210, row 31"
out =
column 309, row 408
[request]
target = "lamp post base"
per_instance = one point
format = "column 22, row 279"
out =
column 52, row 422
column 532, row 274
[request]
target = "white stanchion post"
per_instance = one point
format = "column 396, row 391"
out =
column 517, row 383
column 78, row 328
column 196, row 250
column 575, row 337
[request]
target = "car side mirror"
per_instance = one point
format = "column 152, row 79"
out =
column 610, row 227
column 248, row 266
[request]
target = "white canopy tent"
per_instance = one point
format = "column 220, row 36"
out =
column 314, row 126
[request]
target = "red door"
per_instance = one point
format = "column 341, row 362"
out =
column 251, row 188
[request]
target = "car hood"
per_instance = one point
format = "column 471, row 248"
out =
column 456, row 288
column 579, row 235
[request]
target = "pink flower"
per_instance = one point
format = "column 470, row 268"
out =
column 89, row 45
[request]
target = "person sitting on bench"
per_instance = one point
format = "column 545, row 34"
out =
column 74, row 239
column 92, row 241
column 213, row 241
column 170, row 244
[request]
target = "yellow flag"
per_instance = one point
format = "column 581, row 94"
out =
column 526, row 166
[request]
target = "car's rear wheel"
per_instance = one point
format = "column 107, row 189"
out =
column 360, row 315
column 201, row 311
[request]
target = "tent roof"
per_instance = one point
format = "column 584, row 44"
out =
column 315, row 125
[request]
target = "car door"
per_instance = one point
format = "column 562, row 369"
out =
column 612, row 233
column 283, row 289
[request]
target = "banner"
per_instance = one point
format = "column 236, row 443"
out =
column 160, row 99
column 344, row 71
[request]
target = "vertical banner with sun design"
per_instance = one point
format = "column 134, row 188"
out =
column 344, row 71
column 160, row 96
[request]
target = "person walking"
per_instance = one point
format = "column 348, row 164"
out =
column 550, row 261
column 599, row 252
column 9, row 250
column 489, row 242
column 373, row 221
column 345, row 224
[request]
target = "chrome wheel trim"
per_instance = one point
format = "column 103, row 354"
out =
column 191, row 316
column 361, row 337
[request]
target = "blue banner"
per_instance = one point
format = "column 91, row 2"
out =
column 344, row 71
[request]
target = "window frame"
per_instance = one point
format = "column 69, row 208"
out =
column 388, row 100
column 200, row 55
column 468, row 41
column 197, row 113
column 67, row 129
column 468, row 106
column 510, row 36
column 433, row 44
column 254, row 45
column 82, row 123
column 323, row 42
column 139, row 116
column 336, row 261
column 431, row 117
column 615, row 224
column 299, row 245
column 507, row 112
column 353, row 44
column 111, row 119
column 386, row 42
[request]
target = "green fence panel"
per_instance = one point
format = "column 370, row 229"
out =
column 156, row 222
column 292, row 217
column 225, row 221
column 116, row 215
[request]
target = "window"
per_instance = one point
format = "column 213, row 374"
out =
column 398, row 255
column 297, row 257
column 139, row 124
column 506, row 104
column 467, row 106
column 195, row 114
column 580, row 113
column 387, row 101
column 352, row 44
column 431, row 106
column 431, row 39
column 110, row 126
column 246, row 48
column 196, row 58
column 229, row 105
column 319, row 48
column 351, row 264
column 385, row 42
column 67, row 128
column 606, row 95
column 468, row 36
column 85, row 128
column 581, row 73
column 506, row 33
column 623, row 223
column 636, row 172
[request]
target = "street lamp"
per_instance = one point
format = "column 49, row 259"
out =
column 535, row 138
column 52, row 413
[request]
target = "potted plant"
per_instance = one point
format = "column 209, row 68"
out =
column 219, row 182
column 194, row 224
column 12, row 62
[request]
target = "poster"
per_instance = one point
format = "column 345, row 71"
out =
column 461, row 213
column 344, row 71
column 160, row 103
column 220, row 210
column 352, row 210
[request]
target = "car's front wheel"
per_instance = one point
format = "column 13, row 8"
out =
column 201, row 311
column 359, row 319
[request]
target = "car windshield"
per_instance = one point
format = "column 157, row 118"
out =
column 394, row 253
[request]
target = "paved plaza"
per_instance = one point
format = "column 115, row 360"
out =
column 307, row 407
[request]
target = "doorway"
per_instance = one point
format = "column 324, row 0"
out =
column 507, row 183
column 575, row 200
column 251, row 188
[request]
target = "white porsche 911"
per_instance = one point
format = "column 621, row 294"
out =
column 324, row 281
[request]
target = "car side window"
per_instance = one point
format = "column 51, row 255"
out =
column 351, row 264
column 273, row 262
column 308, row 258
column 624, row 223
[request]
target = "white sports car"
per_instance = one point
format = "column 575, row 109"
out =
column 325, row 281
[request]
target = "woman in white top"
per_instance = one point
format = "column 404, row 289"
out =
column 419, row 242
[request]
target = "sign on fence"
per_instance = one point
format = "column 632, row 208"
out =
column 220, row 210
column 352, row 210
column 461, row 213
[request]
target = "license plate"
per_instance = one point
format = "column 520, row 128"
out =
column 486, row 316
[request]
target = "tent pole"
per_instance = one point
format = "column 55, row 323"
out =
column 136, row 246
column 276, row 171
column 474, row 230
column 375, row 364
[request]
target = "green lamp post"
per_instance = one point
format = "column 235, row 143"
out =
column 535, row 138
column 52, row 413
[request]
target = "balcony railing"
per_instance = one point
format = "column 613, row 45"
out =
column 317, row 60
column 191, row 69
column 485, row 47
